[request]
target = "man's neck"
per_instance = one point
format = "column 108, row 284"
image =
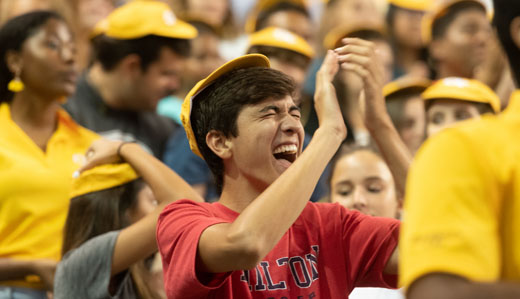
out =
column 106, row 85
column 239, row 192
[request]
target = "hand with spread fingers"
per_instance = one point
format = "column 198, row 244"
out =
column 325, row 99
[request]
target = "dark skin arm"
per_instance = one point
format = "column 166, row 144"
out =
column 447, row 286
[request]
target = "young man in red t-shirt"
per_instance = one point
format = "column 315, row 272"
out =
column 263, row 238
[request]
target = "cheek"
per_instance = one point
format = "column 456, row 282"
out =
column 345, row 201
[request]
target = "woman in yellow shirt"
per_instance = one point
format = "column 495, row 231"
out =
column 40, row 148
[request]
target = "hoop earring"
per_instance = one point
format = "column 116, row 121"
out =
column 16, row 85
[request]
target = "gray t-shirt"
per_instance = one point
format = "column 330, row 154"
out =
column 85, row 272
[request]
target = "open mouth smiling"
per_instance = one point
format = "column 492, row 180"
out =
column 286, row 152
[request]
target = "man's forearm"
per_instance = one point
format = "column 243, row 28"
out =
column 394, row 151
column 165, row 183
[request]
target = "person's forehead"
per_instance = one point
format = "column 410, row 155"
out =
column 450, row 104
column 287, row 101
column 365, row 163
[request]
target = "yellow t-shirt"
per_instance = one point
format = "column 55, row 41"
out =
column 462, row 207
column 35, row 187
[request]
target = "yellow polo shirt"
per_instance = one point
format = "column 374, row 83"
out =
column 35, row 187
column 462, row 206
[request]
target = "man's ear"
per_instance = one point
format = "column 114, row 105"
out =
column 219, row 144
column 514, row 28
column 131, row 65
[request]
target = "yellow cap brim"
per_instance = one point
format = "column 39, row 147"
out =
column 419, row 5
column 333, row 39
column 405, row 83
column 181, row 30
column 471, row 91
column 101, row 178
column 281, row 38
column 246, row 61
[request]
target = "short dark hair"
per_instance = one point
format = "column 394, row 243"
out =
column 218, row 105
column 12, row 36
column 263, row 16
column 110, row 51
column 441, row 24
column 285, row 55
column 505, row 12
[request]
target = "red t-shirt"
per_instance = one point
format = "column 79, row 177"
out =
column 327, row 252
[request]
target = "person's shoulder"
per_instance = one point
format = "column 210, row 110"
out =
column 187, row 206
column 98, row 244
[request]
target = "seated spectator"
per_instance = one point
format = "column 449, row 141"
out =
column 110, row 228
column 139, row 60
column 202, row 60
column 406, row 109
column 40, row 148
column 452, row 100
column 291, row 15
column 403, row 19
column 360, row 180
column 458, row 33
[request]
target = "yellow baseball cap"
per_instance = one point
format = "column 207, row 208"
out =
column 420, row 5
column 281, row 38
column 438, row 10
column 462, row 89
column 242, row 62
column 333, row 39
column 101, row 178
column 140, row 18
column 406, row 83
column 263, row 5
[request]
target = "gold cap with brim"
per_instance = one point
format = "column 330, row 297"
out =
column 101, row 178
column 333, row 39
column 463, row 89
column 140, row 18
column 246, row 61
column 438, row 10
column 406, row 83
column 281, row 38
column 419, row 5
column 262, row 5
